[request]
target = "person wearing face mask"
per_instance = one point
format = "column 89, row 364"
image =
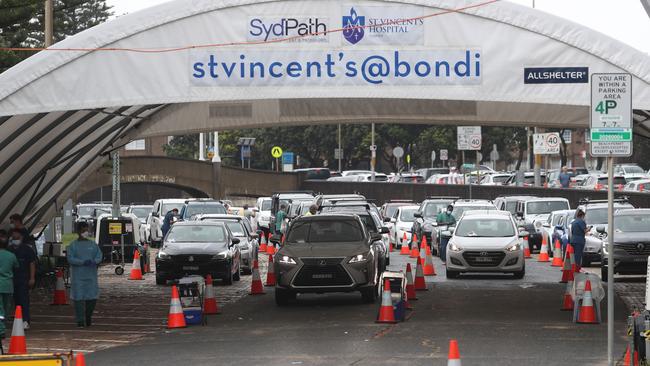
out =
column 8, row 264
column 16, row 222
column 83, row 256
column 445, row 218
column 25, row 274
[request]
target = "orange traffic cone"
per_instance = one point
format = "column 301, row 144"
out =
column 587, row 312
column 175, row 319
column 420, row 285
column 415, row 250
column 422, row 254
column 557, row 255
column 424, row 241
column 80, row 360
column 567, row 269
column 270, row 248
column 390, row 247
column 147, row 266
column 453, row 358
column 386, row 311
column 17, row 344
column 270, row 273
column 209, row 299
column 526, row 248
column 256, row 285
column 136, row 271
column 59, row 290
column 405, row 248
column 567, row 302
column 410, row 286
column 263, row 243
column 429, row 269
column 543, row 252
column 628, row 358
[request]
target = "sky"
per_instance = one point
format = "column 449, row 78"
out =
column 627, row 21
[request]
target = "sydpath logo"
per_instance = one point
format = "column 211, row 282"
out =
column 293, row 29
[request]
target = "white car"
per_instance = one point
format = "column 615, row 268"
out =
column 640, row 185
column 155, row 220
column 496, row 179
column 263, row 216
column 401, row 223
column 143, row 213
column 346, row 173
column 445, row 179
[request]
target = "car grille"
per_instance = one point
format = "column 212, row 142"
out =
column 317, row 272
column 196, row 259
column 633, row 248
column 483, row 258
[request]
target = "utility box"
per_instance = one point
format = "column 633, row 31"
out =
column 397, row 282
column 110, row 233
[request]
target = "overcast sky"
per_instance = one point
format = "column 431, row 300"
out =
column 626, row 20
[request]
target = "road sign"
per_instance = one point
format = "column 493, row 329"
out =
column 469, row 138
column 408, row 159
column 433, row 155
column 444, row 155
column 276, row 151
column 287, row 158
column 338, row 153
column 398, row 152
column 611, row 114
column 546, row 143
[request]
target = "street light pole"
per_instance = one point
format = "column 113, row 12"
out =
column 373, row 152
column 49, row 23
column 201, row 147
column 216, row 158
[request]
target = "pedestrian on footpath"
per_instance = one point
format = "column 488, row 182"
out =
column 168, row 221
column 578, row 231
column 84, row 255
column 25, row 274
column 564, row 178
column 8, row 264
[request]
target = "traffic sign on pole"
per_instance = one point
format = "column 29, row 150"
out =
column 546, row 143
column 398, row 152
column 611, row 115
column 469, row 137
column 444, row 154
column 276, row 151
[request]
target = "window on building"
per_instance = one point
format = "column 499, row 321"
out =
column 135, row 145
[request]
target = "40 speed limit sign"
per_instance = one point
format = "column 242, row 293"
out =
column 546, row 143
column 469, row 137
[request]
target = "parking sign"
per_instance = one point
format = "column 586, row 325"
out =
column 469, row 138
column 611, row 114
column 546, row 143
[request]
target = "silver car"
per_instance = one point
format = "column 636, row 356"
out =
column 241, row 229
column 485, row 241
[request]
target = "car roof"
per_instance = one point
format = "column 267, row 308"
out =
column 465, row 202
column 172, row 200
column 499, row 215
column 328, row 216
column 633, row 211
column 515, row 198
column 409, row 207
column 197, row 223
column 218, row 216
column 603, row 204
column 542, row 199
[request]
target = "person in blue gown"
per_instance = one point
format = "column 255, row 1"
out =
column 84, row 256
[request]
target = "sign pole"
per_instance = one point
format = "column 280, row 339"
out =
column 340, row 148
column 115, row 155
column 373, row 153
column 610, row 261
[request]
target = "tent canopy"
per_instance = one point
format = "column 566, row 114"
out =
column 201, row 65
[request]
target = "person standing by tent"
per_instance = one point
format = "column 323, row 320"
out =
column 578, row 231
column 8, row 264
column 25, row 274
column 84, row 255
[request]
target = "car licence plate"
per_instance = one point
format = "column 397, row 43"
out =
column 322, row 275
column 191, row 268
column 483, row 259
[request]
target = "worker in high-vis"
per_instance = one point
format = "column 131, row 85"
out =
column 84, row 256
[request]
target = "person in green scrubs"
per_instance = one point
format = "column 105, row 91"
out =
column 84, row 256
column 8, row 264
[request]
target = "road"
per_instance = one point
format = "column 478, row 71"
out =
column 497, row 320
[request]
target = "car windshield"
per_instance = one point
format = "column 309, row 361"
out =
column 407, row 214
column 196, row 234
column 617, row 181
column 193, row 209
column 632, row 169
column 266, row 205
column 511, row 206
column 170, row 206
column 325, row 231
column 141, row 212
column 545, row 207
column 632, row 223
column 595, row 216
column 390, row 210
column 434, row 208
column 459, row 210
column 500, row 178
column 86, row 210
column 485, row 228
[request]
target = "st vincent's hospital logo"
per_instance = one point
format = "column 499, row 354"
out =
column 380, row 25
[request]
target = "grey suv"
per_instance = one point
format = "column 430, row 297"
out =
column 327, row 253
column 631, row 242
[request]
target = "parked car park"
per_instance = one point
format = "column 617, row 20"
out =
column 425, row 219
column 532, row 212
column 158, row 212
column 401, row 224
column 631, row 243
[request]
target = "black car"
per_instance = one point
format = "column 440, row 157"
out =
column 425, row 218
column 328, row 253
column 198, row 248
column 197, row 207
column 631, row 242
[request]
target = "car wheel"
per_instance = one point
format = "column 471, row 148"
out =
column 369, row 295
column 282, row 297
column 452, row 274
column 586, row 263
column 520, row 274
column 227, row 280
column 160, row 280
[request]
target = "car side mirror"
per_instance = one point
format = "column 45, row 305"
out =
column 384, row 230
column 523, row 233
column 546, row 225
column 388, row 219
column 519, row 214
column 600, row 230
column 418, row 215
column 254, row 236
column 155, row 214
column 235, row 241
column 375, row 236
column 446, row 234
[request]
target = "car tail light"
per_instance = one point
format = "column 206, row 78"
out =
column 641, row 187
column 619, row 187
column 441, row 181
column 598, row 186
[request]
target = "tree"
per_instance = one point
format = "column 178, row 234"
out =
column 15, row 27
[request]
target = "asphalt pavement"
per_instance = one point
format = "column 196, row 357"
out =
column 497, row 320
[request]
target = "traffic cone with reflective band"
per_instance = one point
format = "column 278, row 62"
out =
column 256, row 285
column 415, row 250
column 386, row 311
column 80, row 360
column 543, row 252
column 526, row 248
column 420, row 285
column 270, row 248
column 567, row 302
column 405, row 248
column 176, row 319
column 424, row 241
column 587, row 312
column 429, row 269
column 422, row 255
column 263, row 243
column 453, row 358
column 390, row 246
column 557, row 255
column 567, row 269
column 17, row 344
column 147, row 266
column 59, row 290
column 410, row 286
column 210, row 301
column 270, row 273
column 136, row 270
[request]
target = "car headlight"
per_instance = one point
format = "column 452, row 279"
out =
column 163, row 255
column 285, row 259
column 538, row 225
column 454, row 248
column 222, row 255
column 359, row 258
column 513, row 247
